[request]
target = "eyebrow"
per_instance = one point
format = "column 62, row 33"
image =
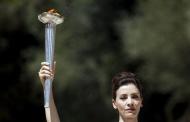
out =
column 131, row 94
column 136, row 93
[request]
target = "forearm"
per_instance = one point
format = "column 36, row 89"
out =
column 51, row 111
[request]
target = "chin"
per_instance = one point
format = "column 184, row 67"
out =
column 130, row 116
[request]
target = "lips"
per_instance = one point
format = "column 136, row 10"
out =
column 130, row 109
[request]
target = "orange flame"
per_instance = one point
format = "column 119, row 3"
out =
column 52, row 11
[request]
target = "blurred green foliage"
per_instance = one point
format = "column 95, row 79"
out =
column 159, row 37
column 97, row 39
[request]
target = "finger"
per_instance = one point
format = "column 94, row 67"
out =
column 44, row 75
column 54, row 63
column 45, row 68
column 45, row 64
column 54, row 66
column 45, row 72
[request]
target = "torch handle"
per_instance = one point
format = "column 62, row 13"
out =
column 50, row 29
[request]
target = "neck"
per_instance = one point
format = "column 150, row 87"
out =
column 128, row 120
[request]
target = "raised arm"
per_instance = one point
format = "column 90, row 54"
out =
column 51, row 111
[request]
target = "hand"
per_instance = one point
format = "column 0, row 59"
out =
column 46, row 72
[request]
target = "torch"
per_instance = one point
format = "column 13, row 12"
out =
column 50, row 19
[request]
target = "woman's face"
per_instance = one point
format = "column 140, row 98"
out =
column 128, row 101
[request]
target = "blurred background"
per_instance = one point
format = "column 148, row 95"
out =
column 98, row 39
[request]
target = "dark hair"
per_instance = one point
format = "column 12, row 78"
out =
column 124, row 78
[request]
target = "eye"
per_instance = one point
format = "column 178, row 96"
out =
column 123, row 97
column 135, row 96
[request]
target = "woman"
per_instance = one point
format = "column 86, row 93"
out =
column 127, row 96
column 126, row 90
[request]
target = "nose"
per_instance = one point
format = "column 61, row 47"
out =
column 129, row 102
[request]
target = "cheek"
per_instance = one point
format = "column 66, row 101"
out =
column 138, row 104
column 120, row 104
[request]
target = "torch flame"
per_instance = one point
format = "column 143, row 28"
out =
column 52, row 11
column 51, row 16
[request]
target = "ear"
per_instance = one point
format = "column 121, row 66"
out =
column 142, row 103
column 114, row 104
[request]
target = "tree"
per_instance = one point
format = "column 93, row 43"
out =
column 158, row 36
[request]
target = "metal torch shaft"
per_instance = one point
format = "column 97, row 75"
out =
column 50, row 19
column 50, row 29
